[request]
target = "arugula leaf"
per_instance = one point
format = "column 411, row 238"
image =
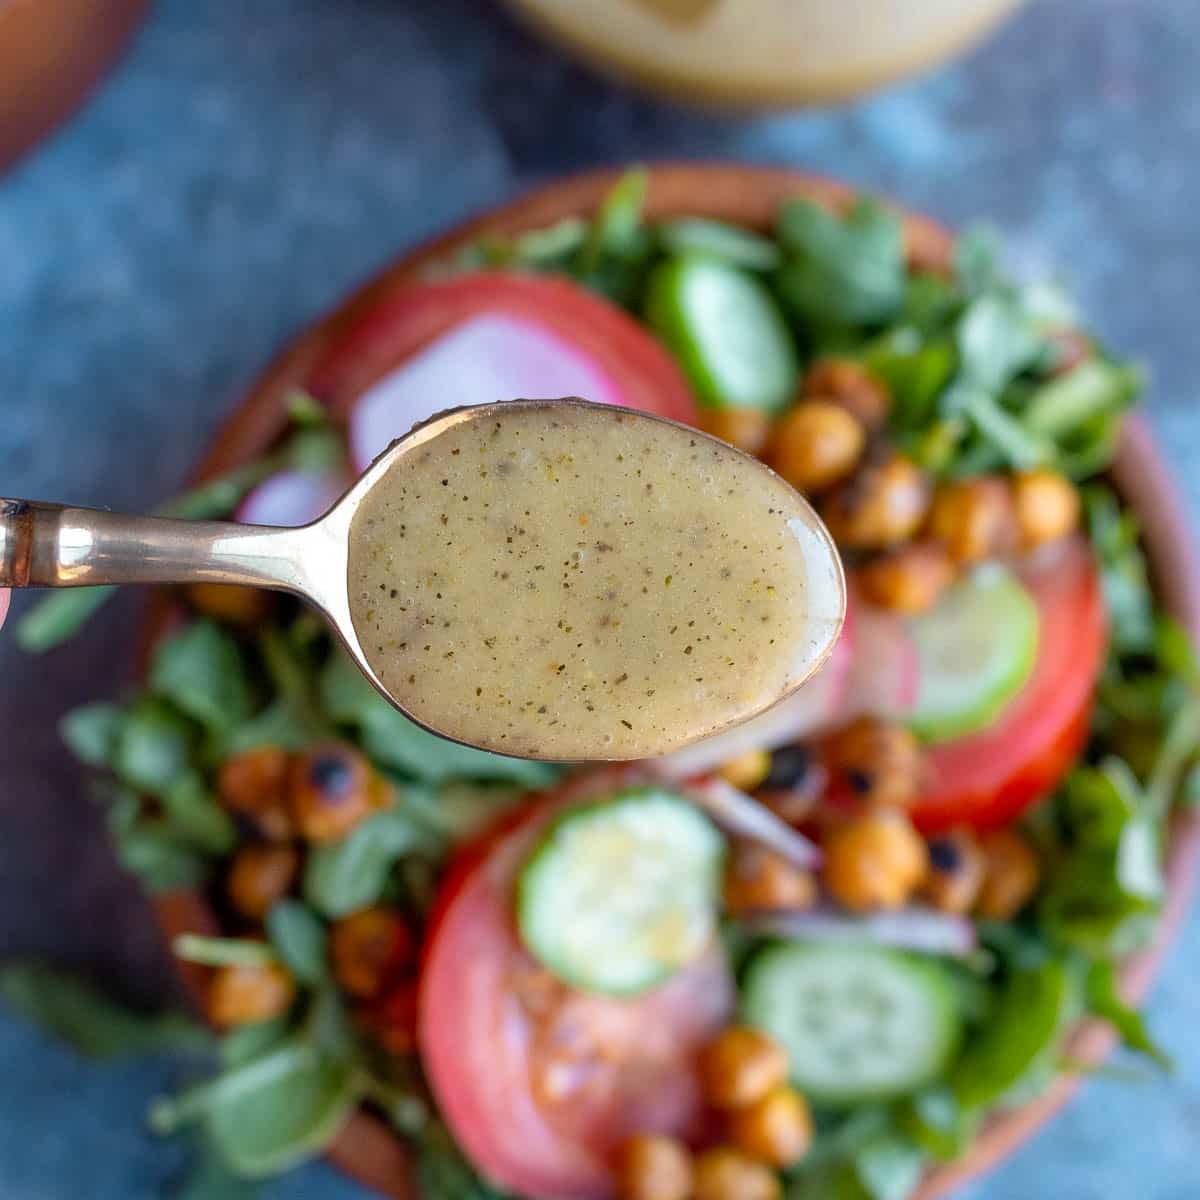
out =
column 248, row 1042
column 222, row 951
column 390, row 739
column 1093, row 389
column 91, row 732
column 1113, row 532
column 153, row 745
column 1105, row 1001
column 841, row 270
column 200, row 670
column 618, row 221
column 59, row 617
column 330, row 1026
column 1099, row 802
column 889, row 1168
column 280, row 1124
column 1018, row 1038
column 935, row 1122
column 996, row 340
column 300, row 940
column 915, row 370
column 194, row 816
column 93, row 1024
column 977, row 259
column 343, row 876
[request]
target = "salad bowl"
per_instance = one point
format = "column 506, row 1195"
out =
column 747, row 196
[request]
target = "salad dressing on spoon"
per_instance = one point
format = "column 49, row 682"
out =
column 545, row 579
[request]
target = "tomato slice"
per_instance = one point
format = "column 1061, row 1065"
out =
column 416, row 314
column 990, row 778
column 540, row 1083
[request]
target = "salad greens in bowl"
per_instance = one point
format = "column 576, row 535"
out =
column 854, row 949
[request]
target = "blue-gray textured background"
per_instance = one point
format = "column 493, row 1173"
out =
column 250, row 161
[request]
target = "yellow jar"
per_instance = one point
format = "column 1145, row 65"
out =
column 763, row 52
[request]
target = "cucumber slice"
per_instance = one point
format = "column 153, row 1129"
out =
column 729, row 243
column 976, row 650
column 622, row 893
column 859, row 1023
column 726, row 331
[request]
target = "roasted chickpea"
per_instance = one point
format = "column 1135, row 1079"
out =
column 874, row 861
column 253, row 786
column 757, row 879
column 1047, row 506
column 883, row 505
column 231, row 604
column 329, row 791
column 777, row 1129
column 849, row 384
column 745, row 428
column 369, row 950
column 746, row 771
column 881, row 762
column 816, row 445
column 1010, row 875
column 653, row 1167
column 742, row 1065
column 955, row 872
column 909, row 579
column 246, row 994
column 392, row 1020
column 927, row 250
column 260, row 875
column 974, row 518
column 725, row 1174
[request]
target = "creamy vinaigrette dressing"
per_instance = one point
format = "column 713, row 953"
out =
column 573, row 582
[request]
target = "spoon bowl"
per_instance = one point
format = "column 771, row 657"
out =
column 772, row 569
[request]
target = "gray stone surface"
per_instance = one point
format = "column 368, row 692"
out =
column 249, row 162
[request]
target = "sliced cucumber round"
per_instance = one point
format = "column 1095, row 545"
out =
column 622, row 893
column 976, row 649
column 859, row 1023
column 729, row 243
column 726, row 331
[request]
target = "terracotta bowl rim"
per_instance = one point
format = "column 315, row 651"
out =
column 367, row 1149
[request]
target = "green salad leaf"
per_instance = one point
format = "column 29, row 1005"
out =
column 343, row 876
column 841, row 270
column 199, row 669
column 890, row 1167
column 91, row 732
column 391, row 740
column 1104, row 1000
column 443, row 1170
column 300, row 940
column 96, row 1026
column 153, row 745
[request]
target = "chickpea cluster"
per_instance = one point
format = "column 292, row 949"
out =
column 768, row 1127
column 871, row 771
column 287, row 803
column 916, row 535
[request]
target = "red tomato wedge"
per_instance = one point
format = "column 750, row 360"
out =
column 990, row 778
column 607, row 345
column 540, row 1083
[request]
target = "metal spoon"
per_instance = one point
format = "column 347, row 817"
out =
column 49, row 545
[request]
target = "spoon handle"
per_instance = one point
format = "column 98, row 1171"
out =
column 52, row 545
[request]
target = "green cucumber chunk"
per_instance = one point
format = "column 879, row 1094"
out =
column 726, row 331
column 976, row 649
column 621, row 893
column 859, row 1023
column 730, row 243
